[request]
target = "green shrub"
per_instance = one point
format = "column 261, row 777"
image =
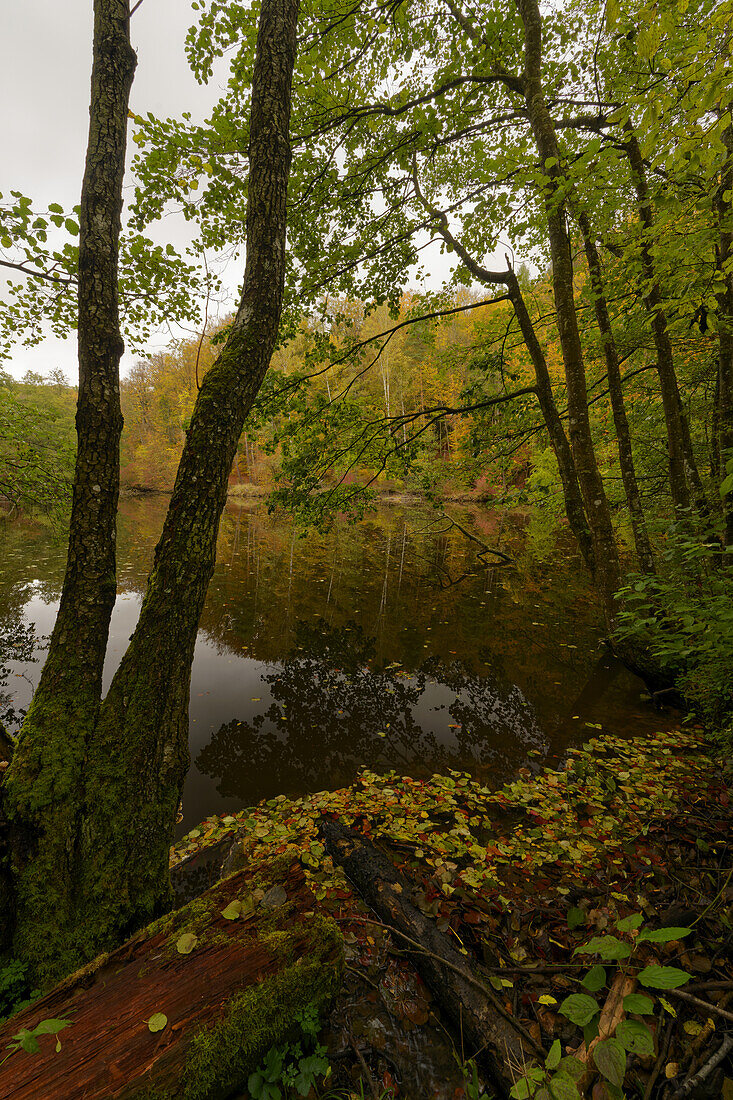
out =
column 684, row 617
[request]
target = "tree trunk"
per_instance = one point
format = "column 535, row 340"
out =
column 45, row 789
column 574, row 508
column 724, row 257
column 581, row 441
column 644, row 553
column 138, row 754
column 573, row 498
column 683, row 473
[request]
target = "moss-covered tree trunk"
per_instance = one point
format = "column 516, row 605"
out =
column 43, row 792
column 644, row 553
column 137, row 757
column 581, row 440
column 684, row 479
column 93, row 815
column 724, row 257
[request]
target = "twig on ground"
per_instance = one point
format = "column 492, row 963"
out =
column 699, row 1003
column 662, row 1058
column 364, row 1067
column 705, row 1070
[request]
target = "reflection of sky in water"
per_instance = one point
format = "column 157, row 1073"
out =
column 380, row 645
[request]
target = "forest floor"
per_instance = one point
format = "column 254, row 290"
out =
column 607, row 878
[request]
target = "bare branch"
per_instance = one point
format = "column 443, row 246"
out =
column 57, row 279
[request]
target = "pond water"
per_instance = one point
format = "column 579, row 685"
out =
column 388, row 644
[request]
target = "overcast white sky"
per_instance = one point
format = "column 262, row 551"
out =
column 45, row 68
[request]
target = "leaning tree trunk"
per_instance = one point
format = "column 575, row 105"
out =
column 572, row 495
column 138, row 754
column 573, row 499
column 581, row 440
column 644, row 553
column 44, row 789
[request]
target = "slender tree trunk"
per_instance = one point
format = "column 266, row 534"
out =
column 683, row 473
column 581, row 440
column 574, row 507
column 644, row 553
column 724, row 211
column 573, row 498
column 44, row 788
column 138, row 755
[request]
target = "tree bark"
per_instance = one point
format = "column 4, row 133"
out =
column 607, row 575
column 138, row 754
column 683, row 473
column 724, row 257
column 644, row 553
column 44, row 788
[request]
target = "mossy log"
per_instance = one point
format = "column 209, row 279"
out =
column 226, row 1002
column 482, row 1025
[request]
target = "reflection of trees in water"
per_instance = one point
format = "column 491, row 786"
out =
column 17, row 645
column 332, row 713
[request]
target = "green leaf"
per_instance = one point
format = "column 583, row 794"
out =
column 233, row 910
column 157, row 1021
column 563, row 1087
column 576, row 917
column 29, row 1043
column 663, row 977
column 591, row 1031
column 638, row 1003
column 520, row 1091
column 50, row 1027
column 186, row 943
column 610, row 1059
column 608, row 947
column 573, row 1067
column 635, row 1037
column 664, row 935
column 595, row 979
column 579, row 1009
column 552, row 1061
column 628, row 923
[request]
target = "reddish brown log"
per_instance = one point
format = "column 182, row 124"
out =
column 227, row 1002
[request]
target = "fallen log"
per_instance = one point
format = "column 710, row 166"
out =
column 483, row 1027
column 189, row 1006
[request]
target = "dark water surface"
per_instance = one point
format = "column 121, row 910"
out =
column 387, row 644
